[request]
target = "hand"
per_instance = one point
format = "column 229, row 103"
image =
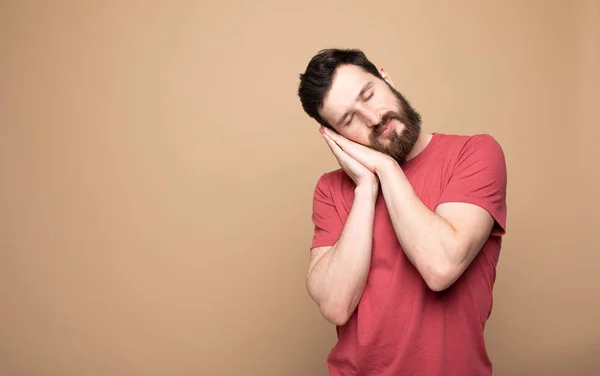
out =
column 372, row 159
column 357, row 172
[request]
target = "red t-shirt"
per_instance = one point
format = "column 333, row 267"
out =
column 400, row 326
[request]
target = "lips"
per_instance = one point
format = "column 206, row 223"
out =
column 387, row 129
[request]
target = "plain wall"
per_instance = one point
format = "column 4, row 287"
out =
column 157, row 174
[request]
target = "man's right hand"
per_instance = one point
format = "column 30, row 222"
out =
column 338, row 273
column 361, row 175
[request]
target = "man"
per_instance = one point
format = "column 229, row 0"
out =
column 407, row 232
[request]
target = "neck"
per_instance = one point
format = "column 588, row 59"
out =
column 420, row 145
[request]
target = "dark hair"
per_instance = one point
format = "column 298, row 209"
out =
column 316, row 81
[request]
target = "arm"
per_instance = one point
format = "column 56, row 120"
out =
column 442, row 243
column 341, row 254
column 337, row 274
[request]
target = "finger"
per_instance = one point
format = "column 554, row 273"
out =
column 335, row 148
column 343, row 158
column 354, row 150
column 343, row 142
column 338, row 152
column 334, row 135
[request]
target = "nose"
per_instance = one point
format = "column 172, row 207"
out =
column 372, row 117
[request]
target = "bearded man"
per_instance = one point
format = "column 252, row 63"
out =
column 407, row 232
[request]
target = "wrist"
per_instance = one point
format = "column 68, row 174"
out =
column 385, row 165
column 367, row 189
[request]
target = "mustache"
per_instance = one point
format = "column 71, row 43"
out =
column 384, row 120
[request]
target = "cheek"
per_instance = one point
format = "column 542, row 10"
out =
column 360, row 135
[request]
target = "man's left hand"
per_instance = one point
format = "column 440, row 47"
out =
column 370, row 158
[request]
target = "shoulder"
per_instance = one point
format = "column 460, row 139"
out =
column 334, row 178
column 476, row 145
column 334, row 184
column 461, row 141
column 483, row 140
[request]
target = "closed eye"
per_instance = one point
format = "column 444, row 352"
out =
column 349, row 119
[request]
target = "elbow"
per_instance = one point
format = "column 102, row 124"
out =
column 439, row 279
column 438, row 285
column 441, row 274
column 335, row 313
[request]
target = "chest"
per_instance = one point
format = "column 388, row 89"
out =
column 428, row 179
column 428, row 182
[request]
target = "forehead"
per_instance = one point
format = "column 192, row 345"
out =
column 347, row 84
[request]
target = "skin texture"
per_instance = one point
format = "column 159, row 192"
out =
column 441, row 244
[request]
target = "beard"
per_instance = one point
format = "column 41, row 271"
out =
column 399, row 144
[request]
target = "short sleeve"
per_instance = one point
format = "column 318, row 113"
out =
column 327, row 222
column 480, row 178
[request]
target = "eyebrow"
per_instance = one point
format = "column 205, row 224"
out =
column 362, row 92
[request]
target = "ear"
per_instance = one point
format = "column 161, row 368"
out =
column 386, row 76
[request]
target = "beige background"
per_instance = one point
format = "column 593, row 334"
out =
column 157, row 173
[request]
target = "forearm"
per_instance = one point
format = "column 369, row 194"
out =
column 428, row 240
column 337, row 280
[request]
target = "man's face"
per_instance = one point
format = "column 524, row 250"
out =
column 368, row 110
